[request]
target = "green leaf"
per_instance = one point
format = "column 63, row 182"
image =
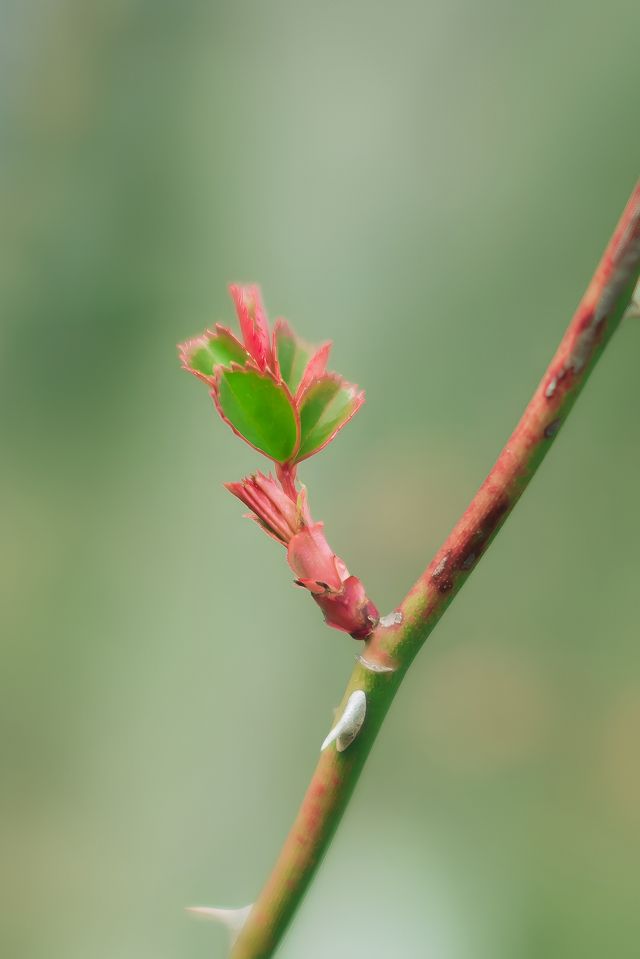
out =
column 221, row 349
column 292, row 354
column 260, row 410
column 326, row 407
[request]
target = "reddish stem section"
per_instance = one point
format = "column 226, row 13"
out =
column 594, row 322
column 336, row 774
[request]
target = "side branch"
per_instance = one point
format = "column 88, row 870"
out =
column 390, row 650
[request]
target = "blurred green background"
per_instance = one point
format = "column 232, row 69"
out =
column 431, row 185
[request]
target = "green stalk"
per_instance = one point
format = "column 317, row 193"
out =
column 390, row 650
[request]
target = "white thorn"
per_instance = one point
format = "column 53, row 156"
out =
column 633, row 310
column 349, row 724
column 375, row 667
column 232, row 919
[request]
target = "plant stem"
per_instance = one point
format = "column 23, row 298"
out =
column 395, row 646
column 287, row 476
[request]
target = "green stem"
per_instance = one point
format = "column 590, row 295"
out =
column 392, row 648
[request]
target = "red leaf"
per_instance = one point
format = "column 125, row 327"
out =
column 203, row 354
column 326, row 406
column 278, row 515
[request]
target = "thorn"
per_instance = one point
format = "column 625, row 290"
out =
column 375, row 667
column 232, row 919
column 349, row 724
column 633, row 310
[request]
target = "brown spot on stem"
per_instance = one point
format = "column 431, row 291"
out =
column 471, row 549
column 552, row 428
column 488, row 525
column 445, row 586
column 440, row 568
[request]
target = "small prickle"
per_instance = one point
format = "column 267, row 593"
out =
column 232, row 919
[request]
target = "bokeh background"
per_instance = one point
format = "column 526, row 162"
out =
column 430, row 185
